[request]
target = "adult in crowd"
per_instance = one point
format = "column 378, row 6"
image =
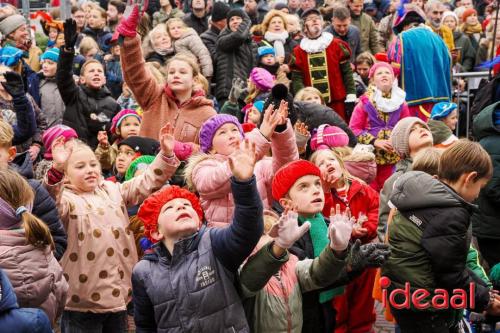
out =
column 276, row 35
column 434, row 10
column 217, row 23
column 116, row 9
column 342, row 28
column 370, row 40
column 255, row 9
column 198, row 17
column 385, row 32
column 466, row 55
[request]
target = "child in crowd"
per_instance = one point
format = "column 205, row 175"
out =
column 185, row 39
column 201, row 261
column 157, row 46
column 376, row 114
column 51, row 102
column 298, row 184
column 220, row 137
column 127, row 100
column 438, row 256
column 96, row 28
column 101, row 250
column 364, row 63
column 268, row 61
column 126, row 123
column 90, row 106
column 344, row 191
column 309, row 94
column 442, row 136
column 88, row 48
column 55, row 33
column 259, row 85
column 447, row 113
column 408, row 137
column 176, row 102
column 114, row 77
column 26, row 249
column 253, row 113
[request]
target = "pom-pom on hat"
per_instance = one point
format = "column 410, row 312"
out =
column 211, row 125
column 442, row 110
column 140, row 163
column 287, row 176
column 327, row 136
column 51, row 54
column 265, row 50
column 262, row 79
column 54, row 132
column 401, row 133
column 379, row 65
column 120, row 116
column 150, row 209
column 141, row 145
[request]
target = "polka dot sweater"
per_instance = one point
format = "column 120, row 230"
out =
column 101, row 249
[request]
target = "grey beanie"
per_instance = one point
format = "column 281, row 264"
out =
column 11, row 23
column 401, row 133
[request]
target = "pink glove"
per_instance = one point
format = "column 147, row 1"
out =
column 287, row 231
column 183, row 150
column 340, row 229
column 128, row 26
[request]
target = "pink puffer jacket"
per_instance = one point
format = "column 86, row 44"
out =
column 209, row 175
column 35, row 274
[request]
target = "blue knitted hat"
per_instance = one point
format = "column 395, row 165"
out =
column 51, row 54
column 442, row 110
column 10, row 56
column 265, row 50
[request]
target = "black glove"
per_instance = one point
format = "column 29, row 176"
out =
column 368, row 255
column 349, row 108
column 14, row 84
column 70, row 33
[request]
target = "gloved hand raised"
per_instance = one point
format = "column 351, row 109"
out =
column 367, row 255
column 13, row 84
column 237, row 89
column 340, row 228
column 70, row 33
column 128, row 26
column 287, row 230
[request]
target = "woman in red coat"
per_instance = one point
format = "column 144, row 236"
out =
column 355, row 308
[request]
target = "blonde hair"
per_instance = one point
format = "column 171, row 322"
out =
column 204, row 84
column 78, row 145
column 88, row 62
column 188, row 59
column 302, row 94
column 156, row 72
column 272, row 14
column 427, row 160
column 346, row 176
column 16, row 191
column 103, row 14
column 6, row 134
column 175, row 20
column 87, row 44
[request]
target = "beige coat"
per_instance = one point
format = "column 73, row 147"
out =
column 192, row 43
column 101, row 249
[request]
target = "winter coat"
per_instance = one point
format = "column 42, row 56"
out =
column 16, row 319
column 361, row 199
column 88, row 111
column 35, row 274
column 314, row 115
column 272, row 288
column 209, row 174
column 107, row 156
column 236, row 56
column 101, row 36
column 289, row 45
column 114, row 77
column 429, row 241
column 199, row 24
column 52, row 104
column 467, row 53
column 192, row 43
column 162, row 17
column 44, row 206
column 370, row 40
column 209, row 38
column 353, row 38
column 160, row 107
column 101, row 249
column 485, row 221
column 199, row 295
column 20, row 114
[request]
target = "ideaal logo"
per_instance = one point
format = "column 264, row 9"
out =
column 422, row 299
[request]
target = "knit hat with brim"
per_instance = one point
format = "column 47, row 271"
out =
column 401, row 132
column 150, row 209
column 11, row 24
column 120, row 116
column 211, row 125
column 139, row 163
column 287, row 176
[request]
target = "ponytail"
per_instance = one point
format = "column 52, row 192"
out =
column 37, row 233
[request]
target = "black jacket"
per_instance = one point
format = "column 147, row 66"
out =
column 200, row 25
column 88, row 111
column 209, row 38
column 44, row 206
column 235, row 57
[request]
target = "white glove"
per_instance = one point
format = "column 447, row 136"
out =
column 287, row 231
column 340, row 229
column 351, row 98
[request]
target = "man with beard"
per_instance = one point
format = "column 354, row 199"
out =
column 198, row 18
column 322, row 62
column 434, row 10
column 256, row 10
column 115, row 11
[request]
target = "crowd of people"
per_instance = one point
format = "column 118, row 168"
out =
column 247, row 166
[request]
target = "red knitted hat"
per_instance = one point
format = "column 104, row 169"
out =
column 150, row 209
column 288, row 175
column 468, row 12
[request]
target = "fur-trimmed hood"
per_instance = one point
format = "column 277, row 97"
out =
column 193, row 161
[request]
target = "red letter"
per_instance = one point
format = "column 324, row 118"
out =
column 442, row 296
column 405, row 292
column 419, row 295
column 472, row 295
column 459, row 295
column 385, row 282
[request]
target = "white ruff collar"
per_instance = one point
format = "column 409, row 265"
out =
column 316, row 45
column 388, row 105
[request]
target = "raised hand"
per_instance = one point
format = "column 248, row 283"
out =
column 242, row 161
column 272, row 118
column 60, row 153
column 167, row 140
column 340, row 229
column 237, row 90
column 70, row 33
column 13, row 84
column 368, row 255
column 328, row 180
column 283, row 112
column 287, row 230
column 102, row 138
column 128, row 26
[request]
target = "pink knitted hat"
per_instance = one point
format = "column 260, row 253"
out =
column 54, row 132
column 118, row 118
column 262, row 79
column 328, row 137
column 380, row 65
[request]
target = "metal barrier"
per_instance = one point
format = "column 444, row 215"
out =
column 472, row 82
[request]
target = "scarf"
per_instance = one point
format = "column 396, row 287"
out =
column 164, row 52
column 319, row 237
column 471, row 29
column 316, row 45
column 278, row 39
column 391, row 104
